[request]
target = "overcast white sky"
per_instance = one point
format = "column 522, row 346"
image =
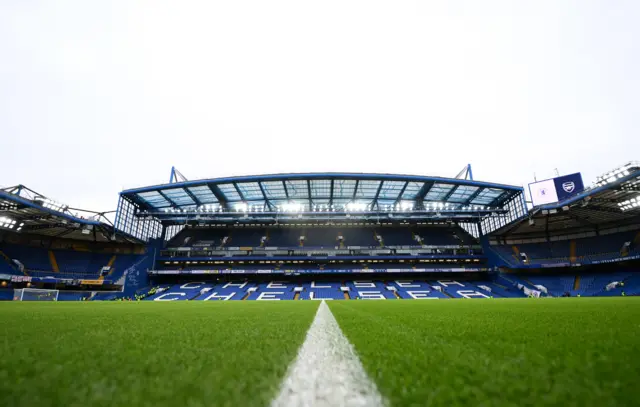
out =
column 100, row 96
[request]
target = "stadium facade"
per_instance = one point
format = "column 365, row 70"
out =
column 328, row 236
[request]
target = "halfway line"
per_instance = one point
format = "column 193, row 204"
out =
column 327, row 371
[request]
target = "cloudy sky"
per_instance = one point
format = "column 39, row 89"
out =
column 100, row 96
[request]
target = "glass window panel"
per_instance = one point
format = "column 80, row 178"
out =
column 297, row 189
column 179, row 196
column 482, row 201
column 367, row 189
column 320, row 188
column 343, row 188
column 274, row 189
column 204, row 194
column 487, row 196
column 412, row 189
column 391, row 189
column 462, row 193
column 438, row 191
column 154, row 199
column 229, row 191
column 250, row 190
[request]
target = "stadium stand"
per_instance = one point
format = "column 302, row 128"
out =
column 586, row 249
column 68, row 264
column 7, row 266
column 328, row 235
column 322, row 290
column 409, row 289
column 322, row 237
column 33, row 258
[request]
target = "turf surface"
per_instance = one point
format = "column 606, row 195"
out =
column 147, row 353
column 568, row 352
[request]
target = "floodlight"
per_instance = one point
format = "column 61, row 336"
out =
column 292, row 207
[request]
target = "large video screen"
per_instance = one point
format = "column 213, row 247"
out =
column 556, row 189
column 543, row 192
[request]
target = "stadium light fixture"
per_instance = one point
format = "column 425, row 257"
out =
column 406, row 205
column 616, row 174
column 291, row 207
column 7, row 223
column 356, row 206
column 629, row 203
column 241, row 207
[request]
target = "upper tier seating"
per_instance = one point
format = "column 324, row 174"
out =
column 245, row 237
column 81, row 262
column 190, row 237
column 326, row 237
column 71, row 264
column 33, row 258
column 438, row 236
column 397, row 237
column 590, row 248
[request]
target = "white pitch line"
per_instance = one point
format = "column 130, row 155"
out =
column 327, row 371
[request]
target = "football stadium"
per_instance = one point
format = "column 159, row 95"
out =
column 310, row 289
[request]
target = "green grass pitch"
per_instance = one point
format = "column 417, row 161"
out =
column 182, row 353
column 569, row 352
column 508, row 352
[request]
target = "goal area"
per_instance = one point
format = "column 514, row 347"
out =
column 35, row 294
